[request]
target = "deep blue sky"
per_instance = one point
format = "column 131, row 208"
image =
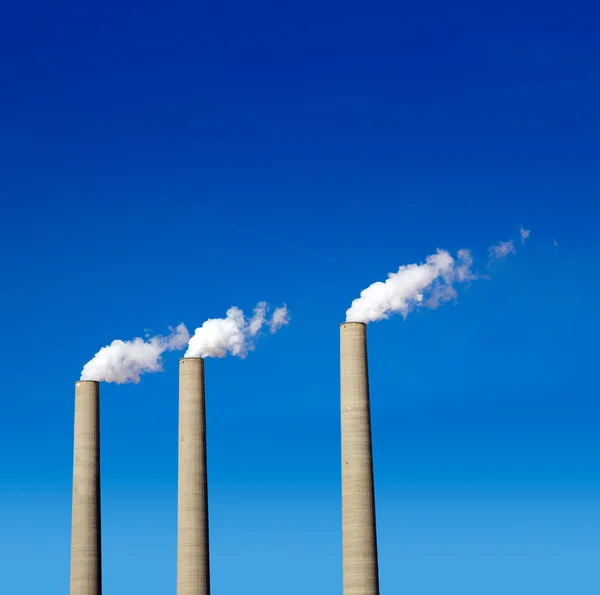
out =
column 135, row 139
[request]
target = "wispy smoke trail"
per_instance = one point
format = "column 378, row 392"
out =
column 504, row 249
column 428, row 284
column 126, row 361
column 235, row 333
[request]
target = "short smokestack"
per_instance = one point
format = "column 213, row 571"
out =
column 359, row 535
column 86, row 557
column 193, row 575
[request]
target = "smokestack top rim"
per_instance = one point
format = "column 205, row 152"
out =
column 90, row 381
column 353, row 322
column 182, row 359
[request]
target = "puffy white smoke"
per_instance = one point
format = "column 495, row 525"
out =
column 280, row 318
column 126, row 361
column 235, row 333
column 428, row 284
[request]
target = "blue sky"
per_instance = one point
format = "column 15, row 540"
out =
column 136, row 142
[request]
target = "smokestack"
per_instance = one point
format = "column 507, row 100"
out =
column 359, row 536
column 193, row 575
column 86, row 558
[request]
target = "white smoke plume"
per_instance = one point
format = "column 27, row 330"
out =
column 428, row 284
column 126, row 361
column 235, row 333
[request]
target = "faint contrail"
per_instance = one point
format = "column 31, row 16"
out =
column 268, row 237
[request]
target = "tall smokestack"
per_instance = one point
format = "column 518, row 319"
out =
column 193, row 575
column 359, row 536
column 86, row 558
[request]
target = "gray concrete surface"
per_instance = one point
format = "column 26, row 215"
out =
column 359, row 535
column 193, row 574
column 86, row 556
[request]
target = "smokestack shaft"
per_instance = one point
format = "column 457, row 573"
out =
column 193, row 576
column 359, row 536
column 86, row 558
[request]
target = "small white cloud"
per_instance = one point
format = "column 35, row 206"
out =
column 524, row 234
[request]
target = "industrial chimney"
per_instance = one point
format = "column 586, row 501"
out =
column 359, row 536
column 193, row 576
column 86, row 558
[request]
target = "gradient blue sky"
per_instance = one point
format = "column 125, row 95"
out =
column 136, row 138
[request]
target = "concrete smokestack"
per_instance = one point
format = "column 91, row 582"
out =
column 193, row 575
column 86, row 558
column 359, row 535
